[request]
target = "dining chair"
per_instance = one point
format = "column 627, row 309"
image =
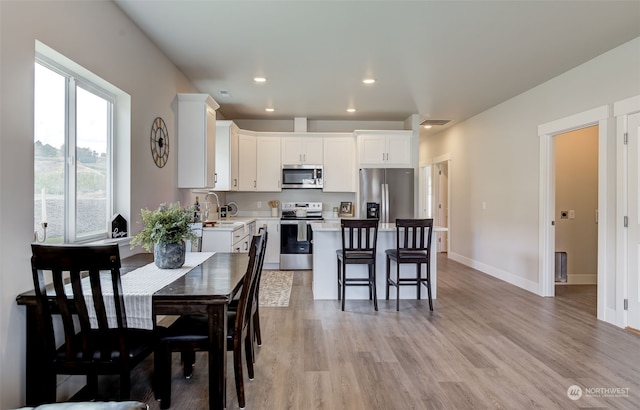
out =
column 413, row 246
column 96, row 338
column 255, row 314
column 359, row 243
column 255, row 332
column 190, row 334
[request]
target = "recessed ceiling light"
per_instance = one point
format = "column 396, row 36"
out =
column 269, row 109
column 369, row 80
column 351, row 110
column 428, row 126
column 260, row 79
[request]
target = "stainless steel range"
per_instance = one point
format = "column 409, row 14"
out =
column 296, row 236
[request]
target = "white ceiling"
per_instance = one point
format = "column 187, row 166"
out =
column 439, row 59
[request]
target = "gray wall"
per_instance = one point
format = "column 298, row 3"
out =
column 495, row 158
column 99, row 37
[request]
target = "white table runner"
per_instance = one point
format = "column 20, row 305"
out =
column 138, row 287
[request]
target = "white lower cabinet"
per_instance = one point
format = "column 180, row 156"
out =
column 272, row 254
column 226, row 240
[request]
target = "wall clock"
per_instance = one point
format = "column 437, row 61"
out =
column 159, row 142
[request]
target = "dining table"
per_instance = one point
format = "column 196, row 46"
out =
column 206, row 287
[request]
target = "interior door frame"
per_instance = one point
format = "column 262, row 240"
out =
column 599, row 116
column 621, row 110
column 435, row 180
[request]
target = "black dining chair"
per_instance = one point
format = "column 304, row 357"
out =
column 255, row 332
column 359, row 243
column 413, row 246
column 190, row 334
column 96, row 339
column 255, row 314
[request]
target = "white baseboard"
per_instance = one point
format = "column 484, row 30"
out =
column 510, row 278
column 582, row 279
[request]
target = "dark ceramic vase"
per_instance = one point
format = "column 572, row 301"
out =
column 169, row 256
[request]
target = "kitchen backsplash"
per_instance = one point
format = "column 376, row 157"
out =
column 250, row 201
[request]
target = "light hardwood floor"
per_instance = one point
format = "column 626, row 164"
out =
column 487, row 345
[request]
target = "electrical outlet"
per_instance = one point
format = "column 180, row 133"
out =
column 572, row 214
column 259, row 204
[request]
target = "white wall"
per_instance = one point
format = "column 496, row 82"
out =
column 99, row 37
column 495, row 159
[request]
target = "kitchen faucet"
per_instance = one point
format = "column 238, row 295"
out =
column 206, row 198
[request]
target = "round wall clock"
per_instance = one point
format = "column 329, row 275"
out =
column 159, row 142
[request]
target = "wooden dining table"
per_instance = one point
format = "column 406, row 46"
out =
column 205, row 289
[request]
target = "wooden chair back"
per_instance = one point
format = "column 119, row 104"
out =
column 359, row 236
column 249, row 286
column 413, row 238
column 68, row 265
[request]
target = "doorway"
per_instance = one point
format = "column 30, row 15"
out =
column 441, row 203
column 547, row 219
column 576, row 216
column 435, row 197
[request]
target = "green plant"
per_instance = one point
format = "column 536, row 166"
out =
column 168, row 224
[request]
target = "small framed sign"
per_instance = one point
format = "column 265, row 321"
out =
column 346, row 209
column 119, row 227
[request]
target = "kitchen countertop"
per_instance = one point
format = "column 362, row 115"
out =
column 382, row 227
column 231, row 223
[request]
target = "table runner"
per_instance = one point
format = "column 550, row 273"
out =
column 138, row 287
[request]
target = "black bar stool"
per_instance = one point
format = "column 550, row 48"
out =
column 413, row 245
column 359, row 241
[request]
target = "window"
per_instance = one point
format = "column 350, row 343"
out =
column 73, row 133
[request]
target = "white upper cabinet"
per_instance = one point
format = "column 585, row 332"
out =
column 339, row 164
column 268, row 165
column 259, row 165
column 196, row 141
column 227, row 133
column 301, row 150
column 384, row 148
column 246, row 163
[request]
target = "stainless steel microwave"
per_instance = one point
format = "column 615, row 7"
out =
column 302, row 176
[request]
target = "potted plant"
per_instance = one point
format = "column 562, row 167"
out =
column 165, row 230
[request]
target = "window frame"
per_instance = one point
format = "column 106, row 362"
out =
column 73, row 80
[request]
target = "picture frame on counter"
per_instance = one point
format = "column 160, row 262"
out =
column 346, row 209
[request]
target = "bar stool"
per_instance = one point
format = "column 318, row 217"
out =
column 359, row 241
column 413, row 245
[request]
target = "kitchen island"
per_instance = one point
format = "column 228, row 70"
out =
column 327, row 239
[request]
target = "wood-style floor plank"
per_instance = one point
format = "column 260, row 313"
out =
column 487, row 345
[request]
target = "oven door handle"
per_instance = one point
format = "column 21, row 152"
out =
column 289, row 222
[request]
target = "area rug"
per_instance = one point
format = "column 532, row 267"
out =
column 275, row 288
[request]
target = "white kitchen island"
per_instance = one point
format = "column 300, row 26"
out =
column 327, row 239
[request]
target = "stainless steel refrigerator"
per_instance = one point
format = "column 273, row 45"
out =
column 391, row 189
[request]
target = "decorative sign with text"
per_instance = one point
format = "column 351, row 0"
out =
column 119, row 227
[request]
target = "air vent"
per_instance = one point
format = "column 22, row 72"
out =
column 434, row 122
